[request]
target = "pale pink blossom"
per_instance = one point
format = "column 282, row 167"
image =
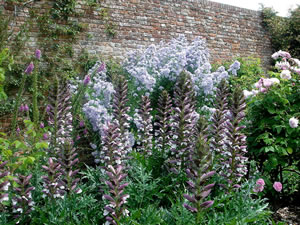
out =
column 293, row 122
column 260, row 183
column 277, row 186
column 285, row 74
column 259, row 83
column 274, row 80
column 267, row 83
column 247, row 93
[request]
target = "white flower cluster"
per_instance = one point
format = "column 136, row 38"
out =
column 168, row 60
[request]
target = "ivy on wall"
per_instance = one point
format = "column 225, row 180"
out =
column 58, row 30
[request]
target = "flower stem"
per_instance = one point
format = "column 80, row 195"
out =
column 17, row 103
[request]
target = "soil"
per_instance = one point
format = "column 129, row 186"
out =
column 290, row 215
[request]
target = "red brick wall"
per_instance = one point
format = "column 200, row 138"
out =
column 229, row 31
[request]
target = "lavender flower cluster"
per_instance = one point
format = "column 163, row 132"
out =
column 168, row 60
column 143, row 122
column 98, row 98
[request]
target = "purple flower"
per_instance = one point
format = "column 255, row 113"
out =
column 45, row 136
column 42, row 125
column 277, row 186
column 207, row 204
column 48, row 108
column 101, row 68
column 21, row 109
column 26, row 108
column 29, row 68
column 81, row 124
column 38, row 54
column 86, row 80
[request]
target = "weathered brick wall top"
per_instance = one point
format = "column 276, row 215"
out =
column 229, row 31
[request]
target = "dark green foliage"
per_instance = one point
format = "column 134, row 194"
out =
column 238, row 208
column 271, row 141
column 284, row 31
column 143, row 188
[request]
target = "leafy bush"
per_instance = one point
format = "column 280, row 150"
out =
column 284, row 31
column 273, row 136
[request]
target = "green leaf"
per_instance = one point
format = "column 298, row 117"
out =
column 289, row 150
column 18, row 144
column 40, row 145
column 269, row 149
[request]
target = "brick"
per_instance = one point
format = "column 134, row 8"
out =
column 229, row 31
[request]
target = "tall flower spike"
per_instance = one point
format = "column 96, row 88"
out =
column 111, row 156
column 22, row 201
column 53, row 185
column 115, row 210
column 163, row 123
column 217, row 140
column 110, row 153
column 234, row 159
column 199, row 173
column 68, row 158
column 143, row 122
column 183, row 122
column 121, row 117
column 4, row 183
column 60, row 116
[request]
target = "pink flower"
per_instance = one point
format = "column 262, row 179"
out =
column 29, row 68
column 277, row 186
column 26, row 108
column 263, row 90
column 260, row 183
column 21, row 109
column 259, row 83
column 267, row 83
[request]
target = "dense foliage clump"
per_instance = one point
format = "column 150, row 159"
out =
column 165, row 140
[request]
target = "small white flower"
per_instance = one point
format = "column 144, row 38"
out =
column 5, row 198
column 247, row 94
column 5, row 188
column 255, row 92
column 20, row 210
column 274, row 80
column 31, row 203
column 79, row 191
column 286, row 74
column 293, row 122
